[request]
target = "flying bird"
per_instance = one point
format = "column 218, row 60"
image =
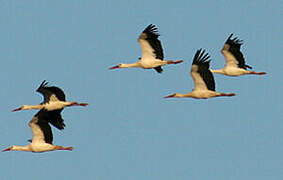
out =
column 41, row 135
column 235, row 61
column 54, row 99
column 152, row 52
column 203, row 79
column 54, row 102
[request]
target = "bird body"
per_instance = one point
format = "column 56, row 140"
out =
column 235, row 61
column 53, row 105
column 232, row 71
column 50, row 106
column 200, row 94
column 152, row 52
column 42, row 135
column 146, row 63
column 203, row 79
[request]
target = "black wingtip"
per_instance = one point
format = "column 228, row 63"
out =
column 196, row 55
column 42, row 85
column 151, row 26
column 152, row 29
column 201, row 57
column 229, row 38
column 234, row 42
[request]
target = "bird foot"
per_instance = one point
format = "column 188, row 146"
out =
column 227, row 94
column 179, row 61
column 257, row 73
column 79, row 104
column 175, row 62
column 83, row 104
column 63, row 148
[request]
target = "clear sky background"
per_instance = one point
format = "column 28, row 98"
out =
column 128, row 131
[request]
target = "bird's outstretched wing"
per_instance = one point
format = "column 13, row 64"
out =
column 232, row 53
column 54, row 117
column 51, row 93
column 150, row 45
column 202, row 76
column 41, row 130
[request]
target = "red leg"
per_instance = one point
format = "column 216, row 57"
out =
column 175, row 62
column 227, row 94
column 83, row 104
column 257, row 73
column 79, row 104
column 63, row 148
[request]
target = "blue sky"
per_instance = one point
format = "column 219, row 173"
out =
column 129, row 131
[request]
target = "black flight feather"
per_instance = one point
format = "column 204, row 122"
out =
column 54, row 117
column 201, row 60
column 41, row 120
column 152, row 37
column 47, row 91
column 235, row 45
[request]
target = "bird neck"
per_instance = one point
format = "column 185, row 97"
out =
column 20, row 148
column 27, row 107
column 219, row 71
column 136, row 64
column 183, row 95
column 187, row 95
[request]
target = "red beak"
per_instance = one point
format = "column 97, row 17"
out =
column 8, row 149
column 18, row 109
column 170, row 96
column 114, row 67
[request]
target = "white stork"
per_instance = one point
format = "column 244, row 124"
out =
column 203, row 79
column 152, row 52
column 54, row 99
column 41, row 135
column 235, row 61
